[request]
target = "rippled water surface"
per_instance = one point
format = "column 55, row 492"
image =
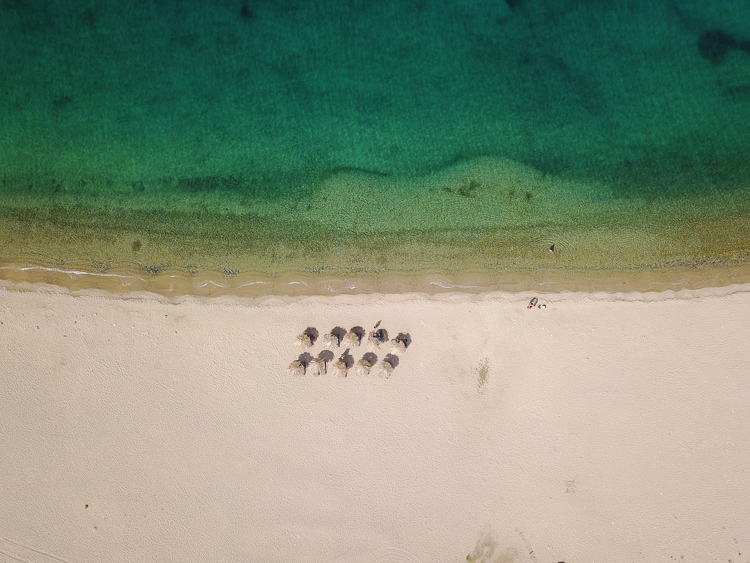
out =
column 361, row 138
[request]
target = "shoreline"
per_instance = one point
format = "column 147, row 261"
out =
column 480, row 225
column 176, row 284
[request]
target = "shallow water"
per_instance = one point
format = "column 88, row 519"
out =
column 360, row 139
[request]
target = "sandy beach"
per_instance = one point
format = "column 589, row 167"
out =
column 187, row 188
column 606, row 427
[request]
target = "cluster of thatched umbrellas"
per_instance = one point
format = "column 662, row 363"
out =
column 339, row 337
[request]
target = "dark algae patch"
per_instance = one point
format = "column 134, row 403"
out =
column 714, row 45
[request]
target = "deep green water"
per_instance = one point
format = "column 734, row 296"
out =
column 257, row 108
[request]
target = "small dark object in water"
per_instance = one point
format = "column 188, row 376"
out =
column 714, row 45
column 246, row 13
column 552, row 248
column 62, row 101
column 136, row 246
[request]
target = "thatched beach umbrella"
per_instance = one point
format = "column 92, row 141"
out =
column 333, row 338
column 400, row 343
column 317, row 366
column 377, row 337
column 308, row 337
column 297, row 368
column 328, row 341
column 339, row 368
column 386, row 367
column 354, row 337
column 362, row 367
column 325, row 359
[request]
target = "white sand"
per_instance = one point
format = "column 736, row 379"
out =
column 607, row 428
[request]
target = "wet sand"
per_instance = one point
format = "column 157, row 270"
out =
column 173, row 284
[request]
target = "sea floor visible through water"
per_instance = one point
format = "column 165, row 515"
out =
column 374, row 145
column 480, row 225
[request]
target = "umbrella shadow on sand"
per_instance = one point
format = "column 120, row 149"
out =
column 363, row 366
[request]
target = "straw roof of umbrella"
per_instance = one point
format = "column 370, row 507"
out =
column 377, row 337
column 362, row 367
column 339, row 368
column 400, row 343
column 317, row 366
column 386, row 367
column 297, row 368
column 333, row 338
column 354, row 337
column 343, row 364
column 307, row 339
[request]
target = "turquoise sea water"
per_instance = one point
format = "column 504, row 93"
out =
column 233, row 135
